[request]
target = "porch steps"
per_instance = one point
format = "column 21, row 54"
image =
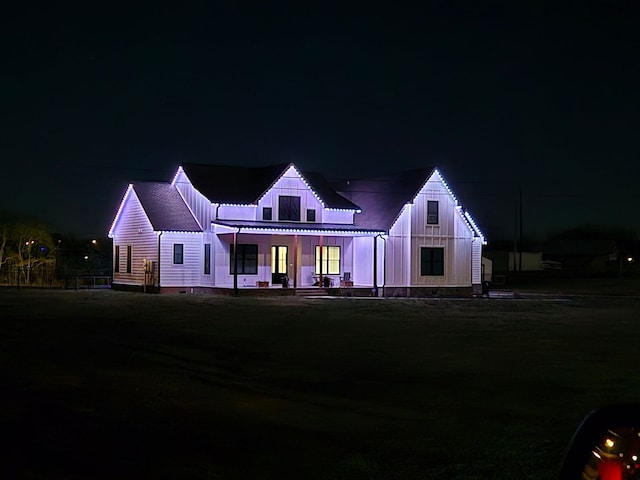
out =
column 311, row 292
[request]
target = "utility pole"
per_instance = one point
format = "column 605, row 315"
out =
column 521, row 229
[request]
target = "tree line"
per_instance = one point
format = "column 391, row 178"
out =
column 27, row 254
column 30, row 255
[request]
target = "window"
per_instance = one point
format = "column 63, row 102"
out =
column 431, row 261
column 116, row 261
column 207, row 258
column 432, row 212
column 289, row 208
column 128, row 258
column 330, row 260
column 247, row 259
column 311, row 215
column 178, row 253
column 267, row 213
column 279, row 259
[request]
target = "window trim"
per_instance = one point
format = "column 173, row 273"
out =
column 311, row 212
column 116, row 260
column 325, row 260
column 283, row 207
column 431, row 262
column 129, row 256
column 430, row 214
column 178, row 256
column 242, row 257
column 207, row 259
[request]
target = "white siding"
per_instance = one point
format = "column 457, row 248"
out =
column 399, row 249
column 133, row 228
column 451, row 233
column 291, row 184
column 338, row 216
column 199, row 205
column 236, row 212
column 188, row 273
column 476, row 263
column 363, row 261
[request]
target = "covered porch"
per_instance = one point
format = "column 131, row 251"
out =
column 336, row 259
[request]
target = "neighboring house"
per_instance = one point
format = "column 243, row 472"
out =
column 233, row 229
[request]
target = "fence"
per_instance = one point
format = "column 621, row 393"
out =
column 87, row 282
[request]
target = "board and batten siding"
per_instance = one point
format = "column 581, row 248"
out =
column 363, row 261
column 450, row 233
column 399, row 250
column 186, row 274
column 199, row 205
column 133, row 228
column 290, row 184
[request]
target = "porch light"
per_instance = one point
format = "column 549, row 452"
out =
column 629, row 259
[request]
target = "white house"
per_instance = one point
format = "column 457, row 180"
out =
column 239, row 229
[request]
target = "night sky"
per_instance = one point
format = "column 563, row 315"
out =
column 536, row 96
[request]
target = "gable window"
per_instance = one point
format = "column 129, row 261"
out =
column 267, row 213
column 330, row 260
column 178, row 253
column 432, row 212
column 431, row 261
column 207, row 258
column 247, row 259
column 116, row 261
column 128, row 258
column 311, row 215
column 289, row 208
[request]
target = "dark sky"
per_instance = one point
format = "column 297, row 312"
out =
column 500, row 95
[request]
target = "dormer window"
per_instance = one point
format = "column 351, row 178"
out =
column 289, row 208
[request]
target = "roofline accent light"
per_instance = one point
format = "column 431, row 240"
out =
column 122, row 202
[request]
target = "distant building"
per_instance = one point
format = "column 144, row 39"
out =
column 228, row 228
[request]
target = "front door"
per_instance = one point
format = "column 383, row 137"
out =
column 279, row 260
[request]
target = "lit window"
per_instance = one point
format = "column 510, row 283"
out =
column 278, row 259
column 431, row 261
column 289, row 208
column 330, row 260
column 247, row 259
column 432, row 212
column 178, row 253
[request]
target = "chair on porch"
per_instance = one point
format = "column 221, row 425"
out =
column 345, row 281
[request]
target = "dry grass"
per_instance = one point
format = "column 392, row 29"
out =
column 102, row 384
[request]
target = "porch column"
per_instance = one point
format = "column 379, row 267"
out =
column 375, row 265
column 295, row 261
column 320, row 284
column 235, row 263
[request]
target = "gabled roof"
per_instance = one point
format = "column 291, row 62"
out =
column 246, row 185
column 230, row 184
column 382, row 198
column 165, row 207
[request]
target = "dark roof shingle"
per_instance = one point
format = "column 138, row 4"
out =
column 245, row 185
column 382, row 198
column 165, row 207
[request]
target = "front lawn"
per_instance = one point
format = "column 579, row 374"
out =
column 105, row 384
